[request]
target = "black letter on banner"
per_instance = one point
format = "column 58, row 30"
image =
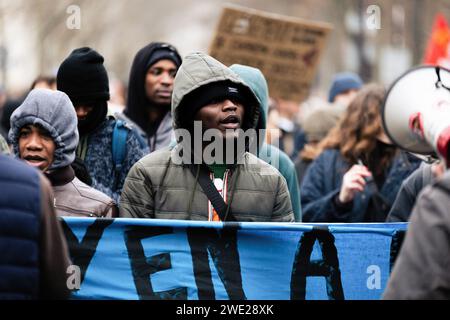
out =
column 143, row 267
column 82, row 252
column 327, row 267
column 396, row 244
column 222, row 246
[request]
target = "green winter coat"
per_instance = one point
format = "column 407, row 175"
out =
column 158, row 187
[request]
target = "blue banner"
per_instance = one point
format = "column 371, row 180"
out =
column 189, row 260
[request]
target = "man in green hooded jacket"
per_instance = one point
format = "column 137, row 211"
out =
column 161, row 186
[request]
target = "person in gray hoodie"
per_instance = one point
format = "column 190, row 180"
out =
column 164, row 186
column 44, row 134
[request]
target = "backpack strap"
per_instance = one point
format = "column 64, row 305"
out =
column 119, row 146
column 140, row 135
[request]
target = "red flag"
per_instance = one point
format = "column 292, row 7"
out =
column 438, row 49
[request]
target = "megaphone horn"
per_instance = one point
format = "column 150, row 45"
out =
column 415, row 94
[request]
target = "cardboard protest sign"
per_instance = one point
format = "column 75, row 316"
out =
column 287, row 50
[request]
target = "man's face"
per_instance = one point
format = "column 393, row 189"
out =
column 82, row 111
column 222, row 115
column 36, row 147
column 159, row 81
column 345, row 98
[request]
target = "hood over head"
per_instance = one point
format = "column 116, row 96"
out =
column 199, row 70
column 83, row 77
column 255, row 79
column 54, row 112
column 137, row 100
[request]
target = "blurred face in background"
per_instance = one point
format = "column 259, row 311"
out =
column 288, row 109
column 2, row 100
column 82, row 111
column 45, row 85
column 159, row 82
column 36, row 146
column 346, row 97
column 384, row 138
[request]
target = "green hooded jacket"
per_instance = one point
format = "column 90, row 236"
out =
column 158, row 186
column 267, row 152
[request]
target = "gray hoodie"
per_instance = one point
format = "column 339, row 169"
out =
column 54, row 112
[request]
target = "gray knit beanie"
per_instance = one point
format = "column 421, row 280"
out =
column 54, row 112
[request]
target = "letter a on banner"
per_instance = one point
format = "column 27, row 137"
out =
column 327, row 267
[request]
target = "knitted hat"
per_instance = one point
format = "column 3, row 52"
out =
column 83, row 77
column 343, row 82
column 216, row 92
column 53, row 111
column 162, row 52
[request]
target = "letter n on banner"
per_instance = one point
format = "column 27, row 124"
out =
column 222, row 246
column 143, row 267
column 327, row 267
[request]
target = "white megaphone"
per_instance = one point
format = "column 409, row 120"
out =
column 421, row 93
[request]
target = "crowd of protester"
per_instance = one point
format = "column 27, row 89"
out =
column 335, row 165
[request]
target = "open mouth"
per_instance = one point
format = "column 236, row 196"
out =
column 231, row 122
column 35, row 160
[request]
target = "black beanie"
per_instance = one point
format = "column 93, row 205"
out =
column 216, row 91
column 83, row 77
column 164, row 52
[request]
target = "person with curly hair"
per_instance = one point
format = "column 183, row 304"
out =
column 359, row 171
